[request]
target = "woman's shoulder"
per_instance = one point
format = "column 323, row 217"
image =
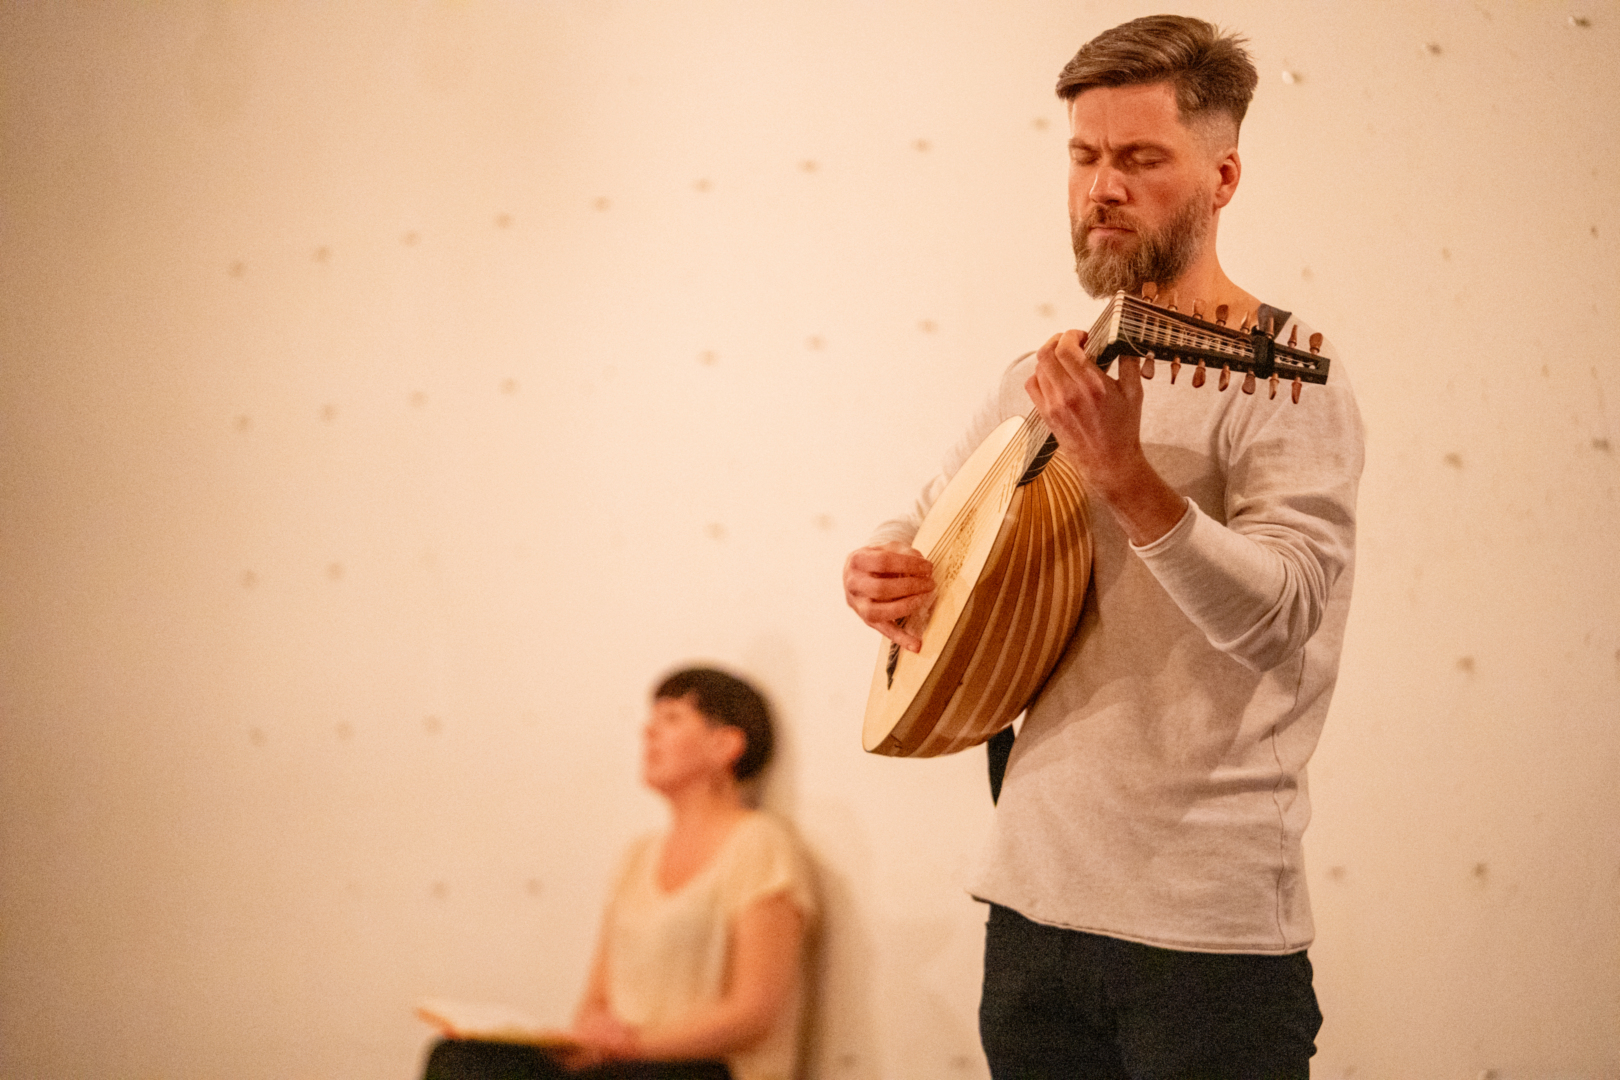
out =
column 761, row 831
column 766, row 856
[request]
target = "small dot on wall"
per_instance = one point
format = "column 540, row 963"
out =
column 329, row 413
column 345, row 731
column 410, row 239
column 928, row 326
column 532, row 887
column 708, row 358
column 323, row 254
column 715, row 531
column 814, row 341
column 240, row 268
column 440, row 890
column 256, row 736
column 602, row 203
column 808, row 166
column 509, row 386
column 702, row 185
column 432, row 725
column 922, row 146
column 243, row 423
column 334, row 571
column 249, row 579
column 418, row 398
column 1045, row 311
column 503, row 221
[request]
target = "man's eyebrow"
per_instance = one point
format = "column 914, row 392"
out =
column 1126, row 148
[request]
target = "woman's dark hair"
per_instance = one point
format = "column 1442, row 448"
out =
column 730, row 702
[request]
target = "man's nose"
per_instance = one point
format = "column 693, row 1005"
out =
column 1108, row 186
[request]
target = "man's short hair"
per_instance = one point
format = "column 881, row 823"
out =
column 728, row 701
column 1210, row 71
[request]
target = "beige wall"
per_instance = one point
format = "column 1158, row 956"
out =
column 390, row 391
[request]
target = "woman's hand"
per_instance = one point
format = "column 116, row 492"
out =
column 601, row 1036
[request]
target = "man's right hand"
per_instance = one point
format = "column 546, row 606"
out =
column 886, row 583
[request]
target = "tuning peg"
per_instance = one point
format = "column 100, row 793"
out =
column 1198, row 309
column 1150, row 291
column 1248, row 382
column 1172, row 303
column 1226, row 376
column 1316, row 344
column 1297, row 385
column 1147, row 366
column 1198, row 375
column 1220, row 314
column 1293, row 336
column 1244, row 325
column 1273, row 380
column 1175, row 369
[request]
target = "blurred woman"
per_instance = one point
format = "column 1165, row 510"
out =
column 698, row 971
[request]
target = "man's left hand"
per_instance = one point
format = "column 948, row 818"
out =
column 1098, row 424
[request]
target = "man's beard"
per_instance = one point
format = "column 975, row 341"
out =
column 1161, row 256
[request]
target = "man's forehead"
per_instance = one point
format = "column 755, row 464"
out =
column 1139, row 115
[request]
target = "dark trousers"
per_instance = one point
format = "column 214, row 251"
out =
column 469, row 1059
column 1065, row 1005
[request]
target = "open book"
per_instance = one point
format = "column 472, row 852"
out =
column 491, row 1023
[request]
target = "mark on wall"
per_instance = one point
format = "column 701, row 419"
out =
column 1465, row 664
column 503, row 221
column 432, row 725
column 335, row 571
column 715, row 531
column 243, row 423
column 323, row 254
column 702, row 185
column 809, row 166
column 410, row 238
column 602, row 203
column 708, row 357
column 249, row 579
column 238, row 268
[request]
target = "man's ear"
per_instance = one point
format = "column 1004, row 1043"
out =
column 1229, row 170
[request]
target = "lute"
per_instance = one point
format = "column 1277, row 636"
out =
column 1010, row 540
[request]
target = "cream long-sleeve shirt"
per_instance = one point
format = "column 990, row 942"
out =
column 1157, row 790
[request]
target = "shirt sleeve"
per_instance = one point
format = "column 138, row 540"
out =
column 769, row 862
column 1258, row 584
